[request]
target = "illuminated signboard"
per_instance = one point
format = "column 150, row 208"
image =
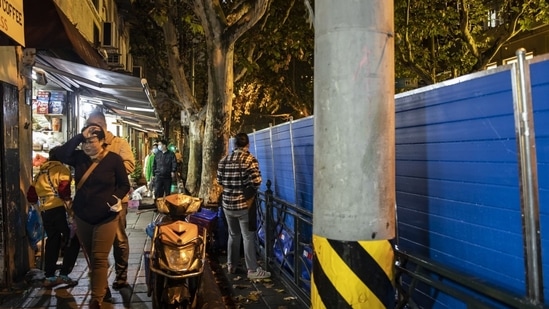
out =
column 12, row 20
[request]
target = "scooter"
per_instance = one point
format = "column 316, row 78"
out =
column 177, row 254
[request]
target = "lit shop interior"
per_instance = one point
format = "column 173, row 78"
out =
column 64, row 94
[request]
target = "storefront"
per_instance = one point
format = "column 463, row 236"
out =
column 75, row 76
column 43, row 110
column 64, row 93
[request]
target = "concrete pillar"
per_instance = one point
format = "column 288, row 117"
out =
column 354, row 176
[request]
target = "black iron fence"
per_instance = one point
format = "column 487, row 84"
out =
column 285, row 242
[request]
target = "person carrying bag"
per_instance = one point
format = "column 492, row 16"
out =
column 50, row 191
column 102, row 184
column 240, row 177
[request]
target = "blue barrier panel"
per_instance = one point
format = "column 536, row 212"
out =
column 457, row 179
column 282, row 157
column 457, row 185
column 303, row 135
column 540, row 102
column 261, row 148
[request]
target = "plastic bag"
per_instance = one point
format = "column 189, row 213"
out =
column 116, row 207
column 72, row 225
column 151, row 226
column 35, row 230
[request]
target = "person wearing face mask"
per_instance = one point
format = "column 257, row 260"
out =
column 147, row 168
column 164, row 168
column 102, row 183
column 121, row 245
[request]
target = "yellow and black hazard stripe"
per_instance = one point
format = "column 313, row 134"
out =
column 352, row 274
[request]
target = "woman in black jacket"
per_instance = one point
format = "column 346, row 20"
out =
column 97, row 201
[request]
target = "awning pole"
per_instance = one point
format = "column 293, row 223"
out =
column 147, row 91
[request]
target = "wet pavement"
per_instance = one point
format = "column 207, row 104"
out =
column 218, row 289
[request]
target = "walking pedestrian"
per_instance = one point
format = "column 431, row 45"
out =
column 102, row 183
column 121, row 245
column 235, row 172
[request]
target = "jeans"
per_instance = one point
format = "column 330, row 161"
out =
column 57, row 229
column 121, row 247
column 237, row 222
column 97, row 241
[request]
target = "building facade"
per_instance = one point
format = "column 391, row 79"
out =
column 59, row 57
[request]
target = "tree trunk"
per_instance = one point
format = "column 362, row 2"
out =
column 218, row 117
column 196, row 129
column 183, row 95
column 221, row 33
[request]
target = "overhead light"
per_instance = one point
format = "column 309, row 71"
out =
column 91, row 101
column 39, row 76
column 142, row 130
column 103, row 53
column 132, row 123
column 139, row 109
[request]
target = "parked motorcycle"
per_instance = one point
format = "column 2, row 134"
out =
column 177, row 255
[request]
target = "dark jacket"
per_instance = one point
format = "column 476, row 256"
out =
column 164, row 164
column 107, row 179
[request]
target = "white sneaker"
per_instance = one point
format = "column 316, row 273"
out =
column 259, row 273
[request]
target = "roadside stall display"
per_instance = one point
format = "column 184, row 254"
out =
column 48, row 117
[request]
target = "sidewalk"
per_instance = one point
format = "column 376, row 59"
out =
column 78, row 296
column 241, row 292
column 218, row 290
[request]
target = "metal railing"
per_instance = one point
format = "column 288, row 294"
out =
column 473, row 292
column 284, row 241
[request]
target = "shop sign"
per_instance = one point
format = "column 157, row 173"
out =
column 12, row 20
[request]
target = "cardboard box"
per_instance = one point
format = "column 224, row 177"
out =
column 41, row 107
column 133, row 204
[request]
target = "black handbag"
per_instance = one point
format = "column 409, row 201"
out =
column 249, row 189
column 252, row 215
column 249, row 192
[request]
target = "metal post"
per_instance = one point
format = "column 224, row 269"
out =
column 255, row 144
column 272, row 155
column 293, row 158
column 268, row 224
column 528, row 176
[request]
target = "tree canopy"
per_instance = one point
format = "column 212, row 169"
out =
column 437, row 40
column 274, row 69
column 231, row 75
column 273, row 61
